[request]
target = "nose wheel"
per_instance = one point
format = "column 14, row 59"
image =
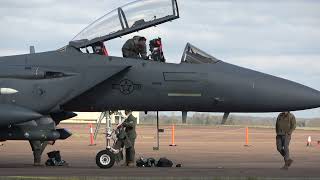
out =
column 105, row 159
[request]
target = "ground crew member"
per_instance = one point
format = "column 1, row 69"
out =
column 135, row 48
column 286, row 124
column 129, row 137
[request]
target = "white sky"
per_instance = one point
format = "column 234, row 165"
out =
column 276, row 37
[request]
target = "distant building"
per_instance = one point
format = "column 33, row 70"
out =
column 92, row 117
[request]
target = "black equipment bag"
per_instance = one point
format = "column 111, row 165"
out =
column 55, row 159
column 141, row 162
column 54, row 154
column 150, row 162
column 164, row 162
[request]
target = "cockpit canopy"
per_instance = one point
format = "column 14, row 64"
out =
column 130, row 18
column 194, row 55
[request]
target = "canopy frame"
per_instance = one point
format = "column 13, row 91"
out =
column 83, row 43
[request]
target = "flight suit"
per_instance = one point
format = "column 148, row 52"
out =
column 126, row 138
column 131, row 49
column 130, row 125
column 285, row 125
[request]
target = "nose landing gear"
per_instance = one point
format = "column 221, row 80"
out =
column 106, row 158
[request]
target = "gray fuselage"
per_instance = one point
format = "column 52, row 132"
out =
column 92, row 82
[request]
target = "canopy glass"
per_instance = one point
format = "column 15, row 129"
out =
column 132, row 17
column 194, row 55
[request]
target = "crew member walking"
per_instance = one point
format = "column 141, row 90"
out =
column 286, row 124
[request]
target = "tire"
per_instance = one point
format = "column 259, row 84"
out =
column 105, row 159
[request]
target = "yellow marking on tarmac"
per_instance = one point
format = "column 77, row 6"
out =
column 147, row 137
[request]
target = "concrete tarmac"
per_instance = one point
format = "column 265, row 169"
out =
column 202, row 151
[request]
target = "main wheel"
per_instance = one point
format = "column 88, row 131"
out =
column 105, row 159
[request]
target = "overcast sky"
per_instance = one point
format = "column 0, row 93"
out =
column 276, row 37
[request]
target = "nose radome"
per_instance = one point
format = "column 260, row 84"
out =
column 246, row 90
column 284, row 95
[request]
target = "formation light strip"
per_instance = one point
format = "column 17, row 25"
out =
column 184, row 94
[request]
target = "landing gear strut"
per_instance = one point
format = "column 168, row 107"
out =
column 106, row 158
column 157, row 148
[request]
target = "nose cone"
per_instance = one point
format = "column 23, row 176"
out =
column 245, row 90
column 279, row 94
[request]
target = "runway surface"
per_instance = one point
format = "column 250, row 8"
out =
column 202, row 151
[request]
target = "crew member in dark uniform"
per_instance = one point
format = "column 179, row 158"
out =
column 286, row 124
column 135, row 48
column 127, row 137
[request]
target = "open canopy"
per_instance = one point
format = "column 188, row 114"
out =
column 130, row 18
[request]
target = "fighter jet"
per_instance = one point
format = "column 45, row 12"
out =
column 39, row 90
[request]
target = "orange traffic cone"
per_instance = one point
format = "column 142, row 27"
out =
column 247, row 137
column 91, row 136
column 172, row 136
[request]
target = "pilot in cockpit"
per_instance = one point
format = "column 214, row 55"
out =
column 135, row 48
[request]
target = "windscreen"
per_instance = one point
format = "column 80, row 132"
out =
column 105, row 25
column 194, row 55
